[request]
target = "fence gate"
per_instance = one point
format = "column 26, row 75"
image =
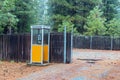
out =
column 60, row 47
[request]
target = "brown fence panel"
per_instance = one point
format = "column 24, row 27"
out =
column 116, row 43
column 97, row 42
column 26, row 47
column 15, row 47
column 1, row 46
column 57, row 47
column 68, row 48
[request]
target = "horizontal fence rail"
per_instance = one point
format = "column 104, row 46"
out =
column 96, row 42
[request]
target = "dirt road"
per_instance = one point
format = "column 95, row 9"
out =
column 86, row 65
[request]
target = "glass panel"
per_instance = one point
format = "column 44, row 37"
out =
column 37, row 36
column 46, row 32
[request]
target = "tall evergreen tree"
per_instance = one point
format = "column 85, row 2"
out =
column 109, row 8
column 25, row 12
column 8, row 19
column 95, row 23
column 110, row 11
column 78, row 10
column 113, row 27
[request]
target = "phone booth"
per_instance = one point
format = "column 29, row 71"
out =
column 39, row 44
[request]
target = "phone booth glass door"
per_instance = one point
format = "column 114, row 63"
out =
column 37, row 46
column 46, row 46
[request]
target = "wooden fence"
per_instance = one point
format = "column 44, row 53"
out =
column 15, row 47
column 96, row 42
column 57, row 53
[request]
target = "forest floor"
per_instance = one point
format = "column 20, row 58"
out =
column 86, row 65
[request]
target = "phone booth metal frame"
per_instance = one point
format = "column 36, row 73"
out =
column 40, row 35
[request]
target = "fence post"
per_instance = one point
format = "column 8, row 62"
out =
column 91, row 42
column 71, row 44
column 64, row 44
column 31, row 46
column 111, row 42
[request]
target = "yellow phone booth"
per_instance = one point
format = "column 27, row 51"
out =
column 39, row 45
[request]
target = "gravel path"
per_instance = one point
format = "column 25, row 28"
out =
column 86, row 65
column 96, row 54
column 43, row 74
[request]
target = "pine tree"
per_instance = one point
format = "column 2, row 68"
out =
column 8, row 19
column 78, row 10
column 113, row 27
column 95, row 23
column 25, row 12
column 109, row 8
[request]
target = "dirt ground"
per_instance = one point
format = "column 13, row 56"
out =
column 86, row 65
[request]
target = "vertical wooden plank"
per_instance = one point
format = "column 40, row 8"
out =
column 0, row 47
